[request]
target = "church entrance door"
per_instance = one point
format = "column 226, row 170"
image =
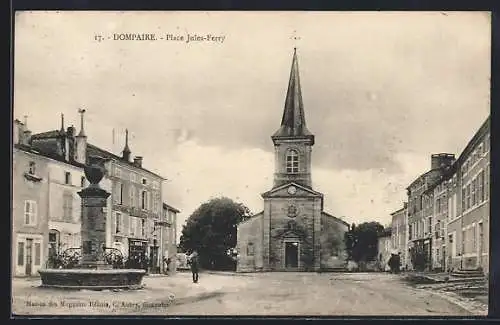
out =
column 291, row 254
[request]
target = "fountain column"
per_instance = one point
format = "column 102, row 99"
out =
column 93, row 217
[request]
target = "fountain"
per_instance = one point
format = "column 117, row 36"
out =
column 93, row 272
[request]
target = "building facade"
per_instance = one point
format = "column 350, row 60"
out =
column 468, row 226
column 136, row 206
column 169, row 238
column 293, row 232
column 29, row 211
column 134, row 212
column 420, row 211
column 385, row 248
column 449, row 209
column 399, row 230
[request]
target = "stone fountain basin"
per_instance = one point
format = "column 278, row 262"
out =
column 92, row 279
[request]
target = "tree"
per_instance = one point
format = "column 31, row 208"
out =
column 211, row 230
column 362, row 241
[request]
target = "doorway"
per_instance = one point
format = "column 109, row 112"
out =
column 292, row 254
column 480, row 246
column 29, row 256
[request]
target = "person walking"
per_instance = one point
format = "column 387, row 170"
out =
column 193, row 258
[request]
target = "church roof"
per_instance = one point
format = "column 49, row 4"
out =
column 304, row 188
column 331, row 216
column 293, row 122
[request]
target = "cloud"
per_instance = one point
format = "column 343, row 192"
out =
column 382, row 91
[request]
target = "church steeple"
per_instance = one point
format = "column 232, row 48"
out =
column 293, row 141
column 293, row 122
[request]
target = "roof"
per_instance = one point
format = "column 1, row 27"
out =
column 305, row 188
column 485, row 127
column 169, row 207
column 53, row 156
column 293, row 122
column 106, row 154
column 332, row 216
column 399, row 210
column 252, row 217
column 47, row 135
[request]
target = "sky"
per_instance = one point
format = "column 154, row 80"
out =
column 382, row 92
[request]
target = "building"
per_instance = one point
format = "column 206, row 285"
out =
column 440, row 215
column 421, row 208
column 292, row 232
column 60, row 167
column 136, row 206
column 385, row 248
column 399, row 230
column 29, row 206
column 468, row 223
column 169, row 237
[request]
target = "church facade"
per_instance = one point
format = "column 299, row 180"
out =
column 292, row 233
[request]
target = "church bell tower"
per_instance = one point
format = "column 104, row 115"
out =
column 293, row 141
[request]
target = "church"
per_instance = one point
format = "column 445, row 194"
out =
column 293, row 233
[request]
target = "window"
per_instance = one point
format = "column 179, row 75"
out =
column 20, row 253
column 30, row 209
column 133, row 226
column 429, row 226
column 82, row 181
column 144, row 181
column 463, row 200
column 467, row 194
column 143, row 227
column 121, row 194
column 67, row 178
column 486, row 183
column 118, row 223
column 37, row 253
column 132, row 196
column 292, row 162
column 250, row 249
column 144, row 200
column 473, row 192
column 480, row 184
column 438, row 205
column 32, row 168
column 68, row 206
column 410, row 232
column 117, row 193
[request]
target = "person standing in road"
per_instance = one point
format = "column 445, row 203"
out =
column 193, row 258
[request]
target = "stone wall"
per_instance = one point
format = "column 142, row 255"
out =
column 250, row 245
column 333, row 250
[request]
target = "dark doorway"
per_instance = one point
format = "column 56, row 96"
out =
column 291, row 254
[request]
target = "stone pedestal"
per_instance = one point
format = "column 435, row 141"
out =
column 93, row 220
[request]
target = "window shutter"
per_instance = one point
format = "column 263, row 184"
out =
column 33, row 212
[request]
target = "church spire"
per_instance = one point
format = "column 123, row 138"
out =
column 126, row 150
column 293, row 122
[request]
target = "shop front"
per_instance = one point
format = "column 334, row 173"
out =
column 137, row 254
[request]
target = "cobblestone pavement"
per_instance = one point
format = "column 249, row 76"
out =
column 246, row 294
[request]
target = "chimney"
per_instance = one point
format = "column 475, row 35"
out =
column 126, row 149
column 82, row 132
column 441, row 160
column 27, row 137
column 138, row 161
